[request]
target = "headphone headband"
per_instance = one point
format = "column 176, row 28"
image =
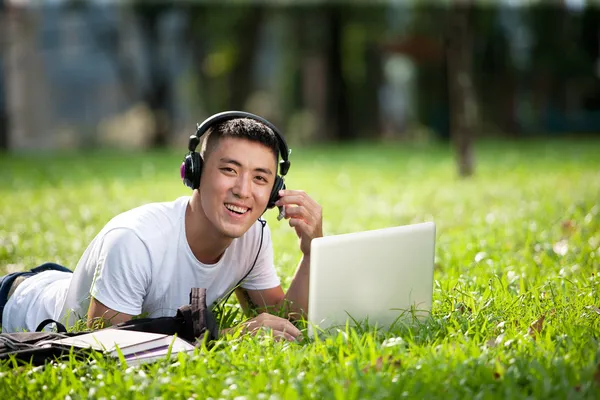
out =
column 284, row 164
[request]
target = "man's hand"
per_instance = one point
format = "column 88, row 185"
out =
column 280, row 327
column 305, row 216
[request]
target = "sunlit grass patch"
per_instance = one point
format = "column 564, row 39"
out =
column 516, row 306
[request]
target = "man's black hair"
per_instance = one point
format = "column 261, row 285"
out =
column 241, row 128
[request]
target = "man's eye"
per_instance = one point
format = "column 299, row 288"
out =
column 227, row 169
column 261, row 178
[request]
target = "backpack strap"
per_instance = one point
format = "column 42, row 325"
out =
column 59, row 327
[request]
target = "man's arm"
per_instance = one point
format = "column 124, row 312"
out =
column 101, row 316
column 296, row 298
column 122, row 275
column 293, row 304
column 306, row 217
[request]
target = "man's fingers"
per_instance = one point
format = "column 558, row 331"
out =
column 293, row 199
column 287, row 327
column 277, row 324
column 278, row 335
column 298, row 212
column 291, row 192
column 299, row 224
column 301, row 227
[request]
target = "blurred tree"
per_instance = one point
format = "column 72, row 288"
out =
column 224, row 44
column 364, row 31
column 426, row 45
column 493, row 69
column 155, row 91
column 312, row 55
column 558, row 83
column 3, row 98
column 324, row 90
column 590, row 38
column 341, row 69
column 329, row 57
column 25, row 91
column 337, row 99
column 463, row 106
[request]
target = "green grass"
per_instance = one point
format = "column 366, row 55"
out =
column 518, row 242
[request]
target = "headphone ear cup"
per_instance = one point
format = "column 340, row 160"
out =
column 279, row 185
column 186, row 167
column 191, row 170
column 196, row 170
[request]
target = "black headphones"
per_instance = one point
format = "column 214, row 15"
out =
column 191, row 168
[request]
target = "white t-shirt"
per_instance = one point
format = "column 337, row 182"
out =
column 141, row 263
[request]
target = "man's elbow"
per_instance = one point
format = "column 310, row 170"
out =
column 99, row 316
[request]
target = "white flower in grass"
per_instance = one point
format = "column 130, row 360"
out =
column 480, row 256
column 35, row 370
column 512, row 276
column 391, row 342
column 561, row 248
column 229, row 381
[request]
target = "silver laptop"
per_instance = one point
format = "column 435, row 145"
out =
column 380, row 276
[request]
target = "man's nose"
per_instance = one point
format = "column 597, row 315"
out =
column 242, row 186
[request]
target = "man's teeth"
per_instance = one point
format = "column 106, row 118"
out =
column 236, row 209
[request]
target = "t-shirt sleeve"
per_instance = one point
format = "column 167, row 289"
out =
column 263, row 275
column 122, row 272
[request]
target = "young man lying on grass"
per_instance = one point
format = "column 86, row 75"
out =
column 146, row 260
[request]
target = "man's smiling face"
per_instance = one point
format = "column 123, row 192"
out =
column 237, row 177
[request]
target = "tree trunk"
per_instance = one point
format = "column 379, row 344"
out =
column 25, row 89
column 158, row 93
column 240, row 78
column 463, row 108
column 338, row 92
column 370, row 121
column 314, row 76
column 3, row 96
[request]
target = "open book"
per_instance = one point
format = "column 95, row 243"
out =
column 136, row 347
